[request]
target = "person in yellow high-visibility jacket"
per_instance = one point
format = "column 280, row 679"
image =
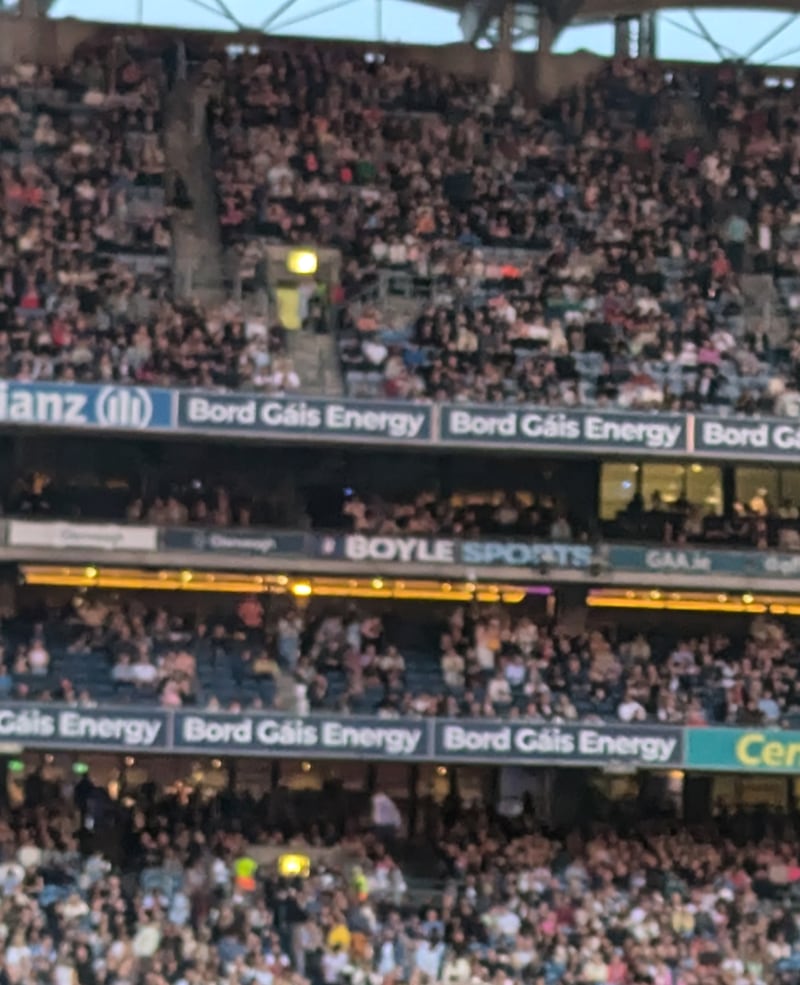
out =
column 244, row 873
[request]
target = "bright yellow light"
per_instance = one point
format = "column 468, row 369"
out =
column 302, row 262
column 305, row 767
column 441, row 771
column 747, row 598
column 669, row 605
column 137, row 579
column 292, row 866
column 697, row 469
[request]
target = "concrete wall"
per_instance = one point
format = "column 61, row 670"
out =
column 42, row 41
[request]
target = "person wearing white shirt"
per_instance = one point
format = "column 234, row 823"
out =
column 631, row 711
column 453, row 669
column 499, row 691
column 283, row 378
column 375, row 352
column 386, row 817
column 12, row 875
column 429, row 957
column 143, row 672
column 38, row 658
column 333, row 964
column 516, row 671
column 507, row 922
column 398, row 254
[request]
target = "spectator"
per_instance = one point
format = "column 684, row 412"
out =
column 453, row 665
column 494, row 660
column 143, row 672
column 38, row 658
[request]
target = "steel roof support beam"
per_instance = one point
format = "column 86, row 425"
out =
column 327, row 9
column 202, row 5
column 782, row 55
column 503, row 61
column 770, row 37
column 279, row 11
column 707, row 35
column 546, row 32
column 647, row 35
column 728, row 53
column 622, row 37
column 229, row 15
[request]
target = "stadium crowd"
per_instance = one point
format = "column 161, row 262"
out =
column 569, row 273
column 482, row 661
column 85, row 260
column 563, row 271
column 620, row 295
column 757, row 522
column 169, row 891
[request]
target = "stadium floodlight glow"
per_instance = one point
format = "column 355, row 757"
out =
column 293, row 866
column 303, row 263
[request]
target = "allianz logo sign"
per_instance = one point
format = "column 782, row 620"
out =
column 64, row 404
column 124, row 407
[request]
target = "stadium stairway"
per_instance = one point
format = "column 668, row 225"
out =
column 197, row 246
column 763, row 307
column 316, row 361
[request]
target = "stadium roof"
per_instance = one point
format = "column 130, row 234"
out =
column 772, row 35
column 480, row 19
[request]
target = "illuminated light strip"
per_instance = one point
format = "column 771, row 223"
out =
column 743, row 602
column 134, row 584
column 191, row 581
column 674, row 605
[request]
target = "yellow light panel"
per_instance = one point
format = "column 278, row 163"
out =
column 302, row 262
column 131, row 579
